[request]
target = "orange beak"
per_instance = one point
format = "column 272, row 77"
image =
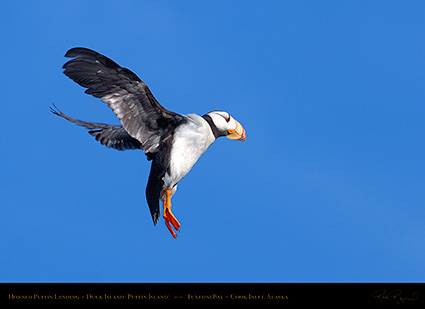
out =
column 238, row 133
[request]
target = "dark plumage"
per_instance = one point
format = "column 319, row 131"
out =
column 109, row 135
column 130, row 99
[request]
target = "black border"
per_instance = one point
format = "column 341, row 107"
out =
column 381, row 294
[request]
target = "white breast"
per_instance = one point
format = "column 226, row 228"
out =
column 191, row 140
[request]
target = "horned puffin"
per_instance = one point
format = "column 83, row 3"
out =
column 171, row 141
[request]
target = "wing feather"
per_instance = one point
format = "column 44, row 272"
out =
column 109, row 135
column 130, row 99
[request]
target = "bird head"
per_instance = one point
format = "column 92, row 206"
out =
column 227, row 125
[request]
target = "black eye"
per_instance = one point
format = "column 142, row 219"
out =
column 227, row 119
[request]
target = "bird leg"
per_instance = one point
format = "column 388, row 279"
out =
column 168, row 215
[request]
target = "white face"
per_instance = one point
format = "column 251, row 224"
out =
column 223, row 121
column 227, row 125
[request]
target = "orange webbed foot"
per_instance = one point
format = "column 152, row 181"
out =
column 168, row 215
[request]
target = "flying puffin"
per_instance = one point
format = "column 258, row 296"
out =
column 171, row 141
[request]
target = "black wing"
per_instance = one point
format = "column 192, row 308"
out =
column 109, row 135
column 153, row 189
column 130, row 99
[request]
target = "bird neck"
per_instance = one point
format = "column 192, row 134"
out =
column 213, row 127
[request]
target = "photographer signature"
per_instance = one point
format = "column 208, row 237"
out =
column 392, row 297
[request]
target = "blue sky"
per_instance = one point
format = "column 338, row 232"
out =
column 328, row 187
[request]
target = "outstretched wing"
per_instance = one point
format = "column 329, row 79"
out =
column 109, row 135
column 142, row 117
